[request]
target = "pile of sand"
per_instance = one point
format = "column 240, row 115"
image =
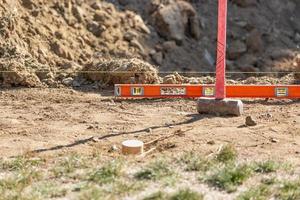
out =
column 121, row 71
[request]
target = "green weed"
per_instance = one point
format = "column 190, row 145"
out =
column 266, row 167
column 154, row 171
column 13, row 186
column 121, row 188
column 20, row 163
column 186, row 194
column 107, row 174
column 194, row 162
column 262, row 192
column 229, row 177
column 49, row 190
column 93, row 193
column 69, row 165
column 289, row 190
column 157, row 196
column 227, row 154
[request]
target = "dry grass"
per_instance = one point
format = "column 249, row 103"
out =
column 229, row 177
column 92, row 177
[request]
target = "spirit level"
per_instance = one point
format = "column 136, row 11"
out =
column 194, row 91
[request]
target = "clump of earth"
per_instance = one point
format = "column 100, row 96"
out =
column 122, row 71
column 54, row 43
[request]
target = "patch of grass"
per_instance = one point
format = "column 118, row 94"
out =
column 229, row 177
column 121, row 188
column 194, row 162
column 266, row 167
column 20, row 180
column 19, row 163
column 113, row 190
column 49, row 190
column 289, row 190
column 154, row 171
column 107, row 174
column 13, row 187
column 157, row 196
column 227, row 154
column 93, row 193
column 288, row 167
column 261, row 192
column 186, row 194
column 69, row 165
column 269, row 181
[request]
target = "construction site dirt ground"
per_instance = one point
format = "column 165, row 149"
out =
column 52, row 121
column 56, row 143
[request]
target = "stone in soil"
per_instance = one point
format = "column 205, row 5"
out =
column 250, row 121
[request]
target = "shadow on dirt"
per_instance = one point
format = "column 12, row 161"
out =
column 192, row 118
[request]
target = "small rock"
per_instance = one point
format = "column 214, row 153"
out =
column 96, row 6
column 78, row 13
column 76, row 83
column 59, row 49
column 269, row 115
column 123, row 107
column 173, row 79
column 211, row 142
column 297, row 37
column 236, row 49
column 280, row 54
column 149, row 130
column 274, row 140
column 90, row 127
column 250, row 121
column 157, row 58
column 137, row 44
column 255, row 42
column 130, row 35
column 59, row 35
column 28, row 4
column 173, row 21
column 169, row 45
column 95, row 28
column 113, row 148
column 67, row 81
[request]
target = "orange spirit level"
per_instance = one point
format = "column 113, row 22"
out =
column 194, row 91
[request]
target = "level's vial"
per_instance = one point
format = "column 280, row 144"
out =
column 208, row 91
column 281, row 92
column 137, row 91
column 117, row 91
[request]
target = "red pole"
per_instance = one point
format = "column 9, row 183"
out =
column 221, row 50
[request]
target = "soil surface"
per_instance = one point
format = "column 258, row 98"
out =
column 54, row 121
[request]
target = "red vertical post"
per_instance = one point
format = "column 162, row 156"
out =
column 221, row 50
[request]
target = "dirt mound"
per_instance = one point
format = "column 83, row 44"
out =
column 262, row 35
column 60, row 37
column 122, row 71
column 49, row 42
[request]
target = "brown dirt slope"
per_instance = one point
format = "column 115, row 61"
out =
column 44, row 43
